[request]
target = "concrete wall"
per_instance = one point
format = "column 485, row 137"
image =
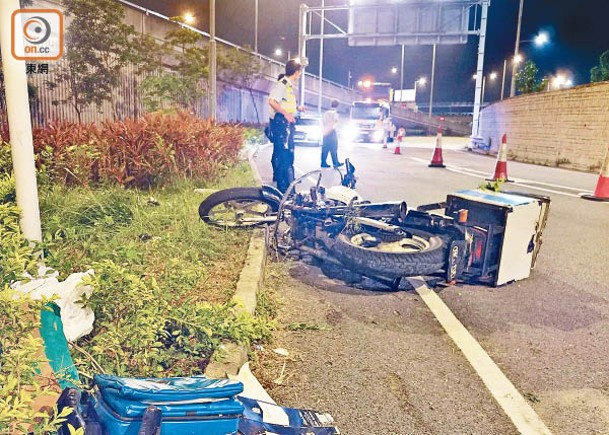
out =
column 567, row 128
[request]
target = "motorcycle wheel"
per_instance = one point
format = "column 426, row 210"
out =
column 391, row 256
column 240, row 207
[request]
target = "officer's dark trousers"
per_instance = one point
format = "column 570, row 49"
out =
column 283, row 151
column 330, row 145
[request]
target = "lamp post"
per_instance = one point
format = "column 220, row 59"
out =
column 255, row 26
column 433, row 74
column 402, row 71
column 503, row 78
column 516, row 48
column 20, row 128
column 421, row 81
column 541, row 39
column 321, row 57
column 212, row 59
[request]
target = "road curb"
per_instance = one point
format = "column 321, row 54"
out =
column 230, row 357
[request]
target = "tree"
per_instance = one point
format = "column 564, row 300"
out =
column 178, row 83
column 527, row 80
column 98, row 47
column 600, row 73
column 240, row 67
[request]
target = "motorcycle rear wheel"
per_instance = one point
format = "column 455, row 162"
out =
column 240, row 207
column 391, row 256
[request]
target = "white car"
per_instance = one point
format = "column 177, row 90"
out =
column 308, row 131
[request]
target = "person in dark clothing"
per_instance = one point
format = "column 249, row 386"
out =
column 330, row 140
column 282, row 111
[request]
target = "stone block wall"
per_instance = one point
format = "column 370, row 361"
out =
column 567, row 128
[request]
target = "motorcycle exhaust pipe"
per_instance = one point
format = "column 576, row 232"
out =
column 396, row 210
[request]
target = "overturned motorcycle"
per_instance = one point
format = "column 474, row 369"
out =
column 482, row 237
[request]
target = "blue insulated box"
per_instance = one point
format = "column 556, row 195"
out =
column 188, row 405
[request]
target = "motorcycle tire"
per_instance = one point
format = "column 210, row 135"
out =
column 234, row 203
column 394, row 256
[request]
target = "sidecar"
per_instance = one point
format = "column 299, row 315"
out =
column 502, row 234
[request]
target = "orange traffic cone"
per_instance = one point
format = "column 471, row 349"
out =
column 436, row 160
column 399, row 139
column 501, row 166
column 602, row 187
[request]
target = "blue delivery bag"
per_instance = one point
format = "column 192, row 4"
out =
column 187, row 405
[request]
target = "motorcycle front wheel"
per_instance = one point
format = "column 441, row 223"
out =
column 240, row 207
column 389, row 255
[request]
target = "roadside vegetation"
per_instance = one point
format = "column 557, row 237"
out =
column 120, row 199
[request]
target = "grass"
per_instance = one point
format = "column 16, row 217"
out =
column 154, row 233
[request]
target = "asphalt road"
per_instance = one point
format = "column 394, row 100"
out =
column 383, row 363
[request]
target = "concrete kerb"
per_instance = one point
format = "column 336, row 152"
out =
column 230, row 357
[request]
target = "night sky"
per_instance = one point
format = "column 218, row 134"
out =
column 578, row 32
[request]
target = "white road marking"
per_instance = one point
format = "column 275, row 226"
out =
column 514, row 405
column 517, row 181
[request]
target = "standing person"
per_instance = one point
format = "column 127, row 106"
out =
column 282, row 112
column 330, row 140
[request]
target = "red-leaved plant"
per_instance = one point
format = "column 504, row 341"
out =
column 140, row 152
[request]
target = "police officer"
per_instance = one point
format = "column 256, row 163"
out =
column 282, row 111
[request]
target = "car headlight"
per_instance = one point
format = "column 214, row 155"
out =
column 349, row 132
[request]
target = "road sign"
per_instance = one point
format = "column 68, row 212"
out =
column 409, row 22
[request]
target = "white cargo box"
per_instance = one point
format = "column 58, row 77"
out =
column 515, row 222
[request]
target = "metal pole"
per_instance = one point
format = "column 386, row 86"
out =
column 255, row 26
column 20, row 128
column 503, row 78
column 479, row 69
column 302, row 48
column 402, row 71
column 212, row 59
column 516, row 50
column 349, row 79
column 433, row 74
column 483, row 88
column 321, row 59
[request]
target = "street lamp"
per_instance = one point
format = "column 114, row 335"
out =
column 541, row 39
column 189, row 18
column 394, row 70
column 279, row 53
column 421, row 81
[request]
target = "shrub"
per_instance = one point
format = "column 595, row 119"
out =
column 141, row 153
column 16, row 254
column 139, row 330
column 21, row 358
column 67, row 152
